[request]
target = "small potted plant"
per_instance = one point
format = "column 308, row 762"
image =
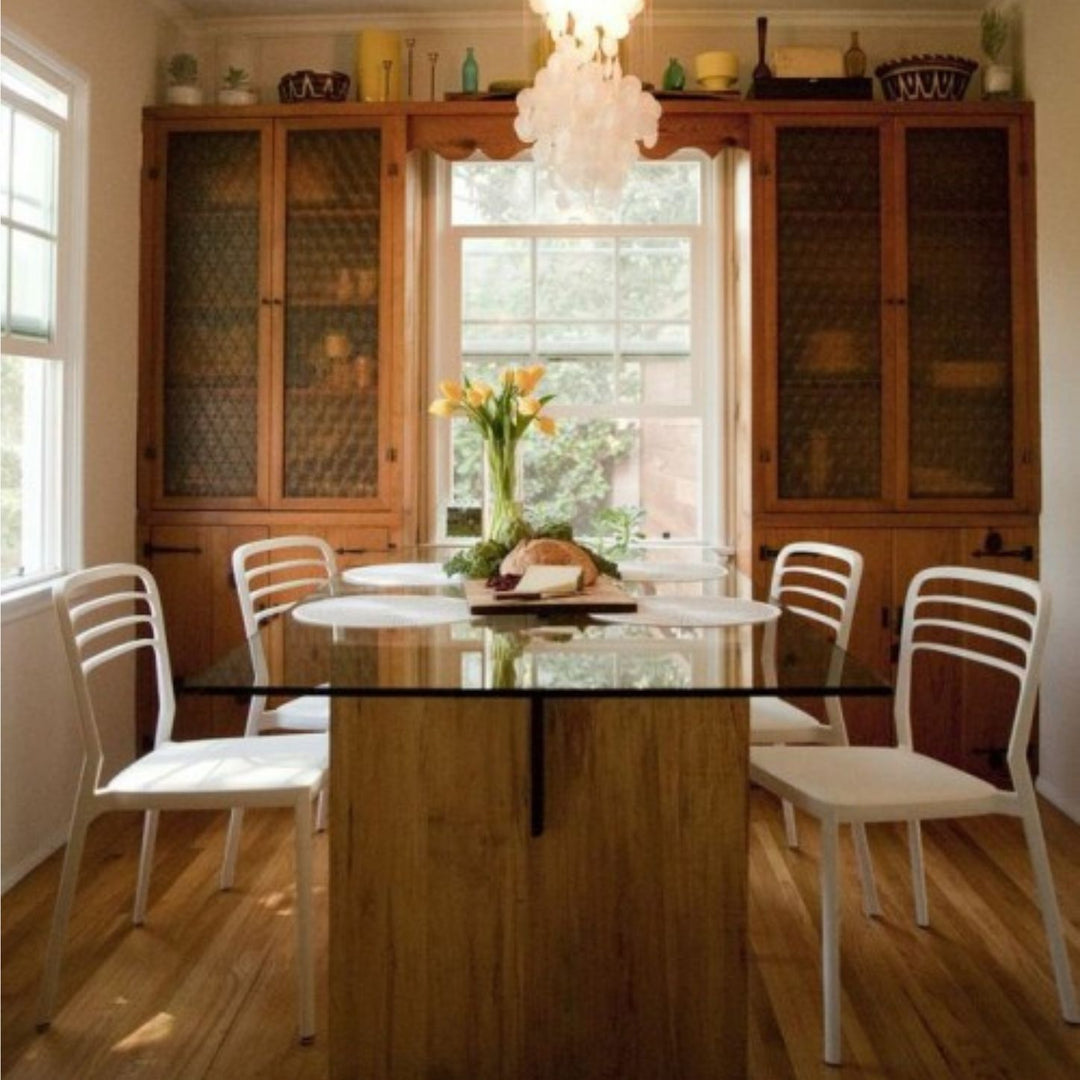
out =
column 237, row 88
column 995, row 24
column 183, row 88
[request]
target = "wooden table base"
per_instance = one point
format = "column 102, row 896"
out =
column 613, row 944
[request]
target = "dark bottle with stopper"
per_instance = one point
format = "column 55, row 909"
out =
column 762, row 71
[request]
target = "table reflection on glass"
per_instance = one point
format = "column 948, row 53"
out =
column 538, row 827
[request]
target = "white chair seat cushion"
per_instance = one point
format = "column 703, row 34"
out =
column 308, row 713
column 775, row 720
column 236, row 770
column 871, row 783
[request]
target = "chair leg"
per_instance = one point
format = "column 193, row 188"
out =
column 61, row 913
column 918, row 873
column 232, row 847
column 305, row 956
column 870, row 902
column 791, row 829
column 830, row 940
column 146, row 865
column 1048, row 905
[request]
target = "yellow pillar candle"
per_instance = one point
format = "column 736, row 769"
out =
column 373, row 48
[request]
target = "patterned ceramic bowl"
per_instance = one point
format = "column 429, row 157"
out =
column 313, row 86
column 926, row 78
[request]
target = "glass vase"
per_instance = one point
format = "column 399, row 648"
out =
column 503, row 516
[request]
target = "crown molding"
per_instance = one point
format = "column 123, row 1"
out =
column 329, row 25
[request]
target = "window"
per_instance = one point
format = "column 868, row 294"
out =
column 40, row 314
column 622, row 314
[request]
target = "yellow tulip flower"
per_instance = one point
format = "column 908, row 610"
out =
column 442, row 407
column 451, row 390
column 528, row 406
column 478, row 393
column 546, row 424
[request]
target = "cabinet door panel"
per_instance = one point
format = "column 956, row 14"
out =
column 332, row 423
column 829, row 360
column 960, row 315
column 211, row 343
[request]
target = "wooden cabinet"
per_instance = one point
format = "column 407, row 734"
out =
column 894, row 312
column 895, row 370
column 271, row 399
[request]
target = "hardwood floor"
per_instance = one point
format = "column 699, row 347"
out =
column 206, row 988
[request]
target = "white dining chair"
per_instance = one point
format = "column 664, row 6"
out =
column 977, row 617
column 110, row 614
column 270, row 577
column 819, row 582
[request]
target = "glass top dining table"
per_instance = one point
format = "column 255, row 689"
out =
column 405, row 629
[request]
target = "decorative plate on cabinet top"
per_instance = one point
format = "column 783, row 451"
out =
column 930, row 77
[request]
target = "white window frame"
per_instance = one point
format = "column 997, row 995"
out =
column 61, row 460
column 713, row 266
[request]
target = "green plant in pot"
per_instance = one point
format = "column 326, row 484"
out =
column 236, row 88
column 183, row 88
column 995, row 26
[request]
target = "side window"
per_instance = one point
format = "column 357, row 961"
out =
column 38, row 239
column 619, row 313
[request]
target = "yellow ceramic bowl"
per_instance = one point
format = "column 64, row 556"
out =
column 718, row 64
column 717, row 82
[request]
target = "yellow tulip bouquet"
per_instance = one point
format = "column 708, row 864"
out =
column 502, row 415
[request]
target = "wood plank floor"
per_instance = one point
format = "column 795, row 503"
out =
column 205, row 989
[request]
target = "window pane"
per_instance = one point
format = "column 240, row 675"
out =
column 662, row 193
column 5, row 161
column 654, row 279
column 31, row 285
column 496, row 279
column 657, row 380
column 579, row 380
column 33, row 168
column 491, row 193
column 492, row 337
column 29, row 413
column 654, row 337
column 575, row 278
column 575, row 337
column 5, row 255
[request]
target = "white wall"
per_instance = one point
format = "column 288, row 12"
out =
column 1052, row 43
column 114, row 43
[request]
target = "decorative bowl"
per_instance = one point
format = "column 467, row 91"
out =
column 719, row 63
column 926, row 78
column 309, row 85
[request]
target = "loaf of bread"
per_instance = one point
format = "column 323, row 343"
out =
column 548, row 552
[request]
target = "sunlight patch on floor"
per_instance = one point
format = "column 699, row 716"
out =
column 155, row 1030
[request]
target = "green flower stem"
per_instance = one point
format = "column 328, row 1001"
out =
column 503, row 509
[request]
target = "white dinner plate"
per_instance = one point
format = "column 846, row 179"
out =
column 671, row 571
column 413, row 575
column 382, row 611
column 694, row 611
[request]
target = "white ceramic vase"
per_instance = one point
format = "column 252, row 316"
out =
column 183, row 95
column 237, row 97
column 997, row 80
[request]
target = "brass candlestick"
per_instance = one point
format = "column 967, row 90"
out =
column 409, row 43
column 433, row 59
column 387, row 65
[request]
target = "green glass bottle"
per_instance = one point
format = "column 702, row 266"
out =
column 470, row 73
column 674, row 76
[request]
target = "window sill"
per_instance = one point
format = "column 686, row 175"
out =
column 23, row 603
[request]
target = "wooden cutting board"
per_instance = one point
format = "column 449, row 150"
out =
column 603, row 597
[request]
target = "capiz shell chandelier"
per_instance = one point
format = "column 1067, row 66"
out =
column 584, row 117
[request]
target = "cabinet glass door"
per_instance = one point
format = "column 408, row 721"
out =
column 210, row 366
column 331, row 314
column 828, row 238
column 960, row 317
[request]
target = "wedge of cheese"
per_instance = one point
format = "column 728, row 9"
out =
column 799, row 62
column 549, row 581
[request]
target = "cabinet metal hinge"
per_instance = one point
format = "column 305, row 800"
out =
column 153, row 172
column 391, row 453
column 764, row 455
column 150, row 453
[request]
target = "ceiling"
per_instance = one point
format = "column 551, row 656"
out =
column 219, row 9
